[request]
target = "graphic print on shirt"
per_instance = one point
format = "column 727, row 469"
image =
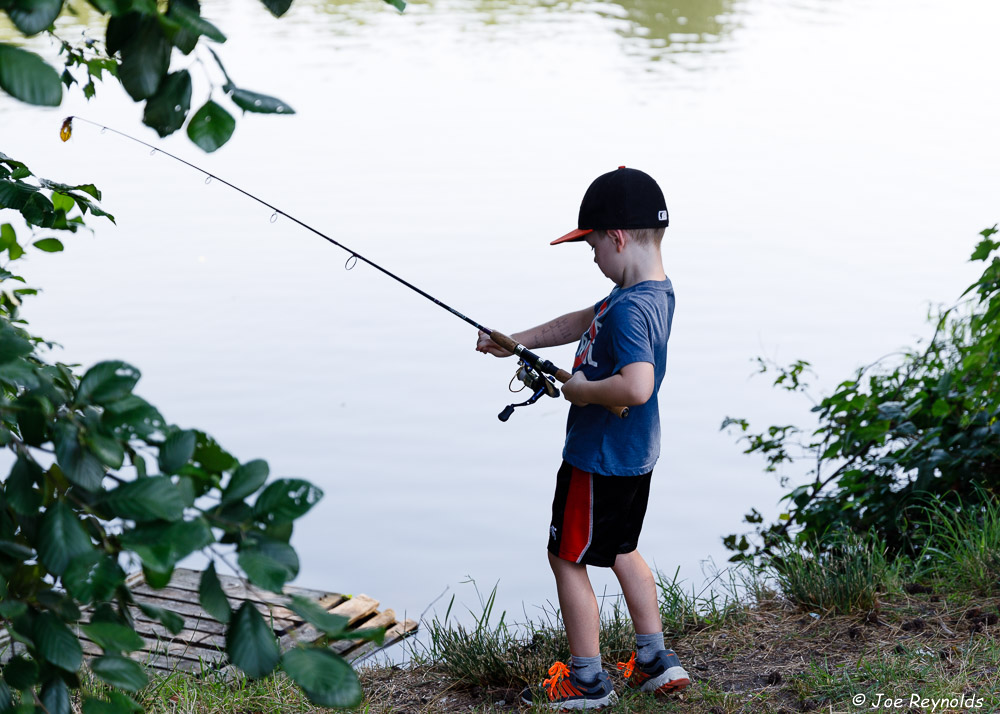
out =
column 585, row 352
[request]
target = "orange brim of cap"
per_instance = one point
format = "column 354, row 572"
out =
column 572, row 235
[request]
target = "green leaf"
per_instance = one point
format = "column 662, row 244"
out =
column 168, row 618
column 133, row 415
column 984, row 248
column 259, row 103
column 25, row 76
column 313, row 613
column 211, row 596
column 120, row 672
column 267, row 563
column 326, row 679
column 68, row 190
column 93, row 577
column 147, row 499
column 941, row 408
column 210, row 456
column 285, row 500
column 20, row 491
column 78, row 464
column 161, row 545
column 12, row 609
column 107, row 449
column 62, row 202
column 62, row 538
column 211, row 127
column 6, row 698
column 398, row 4
column 113, row 637
column 145, row 59
column 16, row 551
column 250, row 643
column 176, row 451
column 247, row 479
column 277, row 7
column 168, row 108
column 187, row 16
column 49, row 245
column 12, row 344
column 107, row 382
column 21, row 673
column 55, row 697
column 56, row 643
column 34, row 16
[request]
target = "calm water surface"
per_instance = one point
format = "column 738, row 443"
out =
column 827, row 165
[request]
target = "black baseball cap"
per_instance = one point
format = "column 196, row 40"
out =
column 624, row 198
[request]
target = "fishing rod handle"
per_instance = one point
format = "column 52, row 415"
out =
column 561, row 374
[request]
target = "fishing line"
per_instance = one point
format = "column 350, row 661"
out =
column 353, row 258
column 535, row 372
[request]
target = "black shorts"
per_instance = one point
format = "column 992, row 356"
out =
column 595, row 517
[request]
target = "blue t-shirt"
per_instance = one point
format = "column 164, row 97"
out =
column 630, row 325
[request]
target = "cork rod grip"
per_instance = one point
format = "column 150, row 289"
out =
column 562, row 375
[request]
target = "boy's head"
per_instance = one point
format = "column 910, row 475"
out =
column 627, row 199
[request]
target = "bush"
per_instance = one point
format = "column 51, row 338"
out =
column 101, row 479
column 899, row 432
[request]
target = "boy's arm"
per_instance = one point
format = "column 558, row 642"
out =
column 560, row 331
column 629, row 387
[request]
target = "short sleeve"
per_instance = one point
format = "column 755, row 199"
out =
column 631, row 337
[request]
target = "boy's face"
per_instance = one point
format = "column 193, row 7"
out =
column 606, row 255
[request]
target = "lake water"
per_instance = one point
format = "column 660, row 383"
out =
column 827, row 164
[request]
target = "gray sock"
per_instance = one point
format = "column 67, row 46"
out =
column 646, row 646
column 586, row 669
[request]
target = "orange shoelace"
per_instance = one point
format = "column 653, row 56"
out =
column 555, row 687
column 627, row 667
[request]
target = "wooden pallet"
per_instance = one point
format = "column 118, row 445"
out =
column 201, row 644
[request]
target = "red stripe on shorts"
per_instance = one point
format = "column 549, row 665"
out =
column 578, row 517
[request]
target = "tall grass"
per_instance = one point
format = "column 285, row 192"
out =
column 844, row 576
column 491, row 651
column 719, row 601
column 963, row 544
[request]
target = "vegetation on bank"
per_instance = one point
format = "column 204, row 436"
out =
column 923, row 424
column 814, row 633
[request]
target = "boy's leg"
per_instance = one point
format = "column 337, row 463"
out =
column 578, row 604
column 639, row 589
column 654, row 668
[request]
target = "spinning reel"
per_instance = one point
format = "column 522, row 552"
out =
column 531, row 378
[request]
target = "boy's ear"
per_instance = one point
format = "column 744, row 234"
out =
column 619, row 237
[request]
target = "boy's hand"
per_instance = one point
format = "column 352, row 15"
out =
column 572, row 390
column 487, row 346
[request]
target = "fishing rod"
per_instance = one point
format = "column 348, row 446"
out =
column 537, row 374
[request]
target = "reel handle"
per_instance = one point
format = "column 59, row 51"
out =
column 562, row 375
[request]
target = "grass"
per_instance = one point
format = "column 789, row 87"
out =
column 846, row 576
column 966, row 545
column 809, row 633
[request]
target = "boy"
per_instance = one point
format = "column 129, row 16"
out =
column 603, row 484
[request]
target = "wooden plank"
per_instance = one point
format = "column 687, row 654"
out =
column 396, row 633
column 187, row 579
column 354, row 609
column 200, row 645
column 386, row 619
column 235, row 595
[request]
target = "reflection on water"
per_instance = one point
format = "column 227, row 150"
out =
column 653, row 29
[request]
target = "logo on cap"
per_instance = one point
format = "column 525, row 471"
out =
column 663, row 215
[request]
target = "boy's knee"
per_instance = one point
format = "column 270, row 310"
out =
column 559, row 565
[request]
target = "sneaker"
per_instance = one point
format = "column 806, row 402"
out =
column 662, row 675
column 562, row 690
